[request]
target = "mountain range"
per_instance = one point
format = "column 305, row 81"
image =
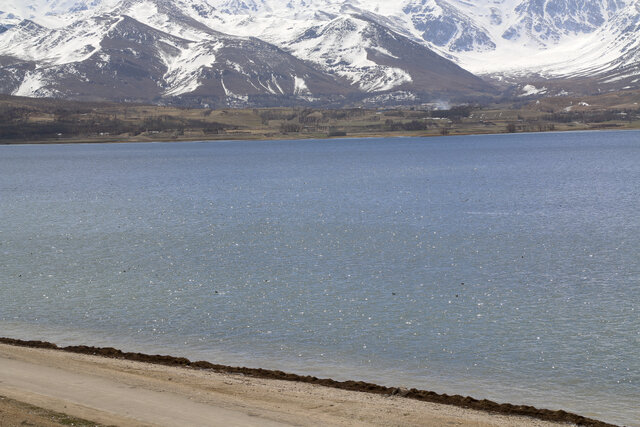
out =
column 288, row 52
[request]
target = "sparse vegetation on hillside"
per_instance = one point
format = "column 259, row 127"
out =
column 44, row 120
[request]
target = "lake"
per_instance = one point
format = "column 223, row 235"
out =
column 504, row 267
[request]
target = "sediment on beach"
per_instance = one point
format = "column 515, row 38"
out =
column 253, row 389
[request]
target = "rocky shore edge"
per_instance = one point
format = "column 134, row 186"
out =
column 468, row 402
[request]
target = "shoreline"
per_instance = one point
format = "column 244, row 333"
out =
column 487, row 406
column 297, row 137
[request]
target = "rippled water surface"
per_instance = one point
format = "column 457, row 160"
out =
column 504, row 267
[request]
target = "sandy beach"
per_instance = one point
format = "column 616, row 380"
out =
column 40, row 386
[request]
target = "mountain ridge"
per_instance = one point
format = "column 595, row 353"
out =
column 157, row 51
column 327, row 50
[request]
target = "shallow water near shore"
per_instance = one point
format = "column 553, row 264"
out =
column 503, row 267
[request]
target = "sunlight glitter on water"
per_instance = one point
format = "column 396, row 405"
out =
column 501, row 267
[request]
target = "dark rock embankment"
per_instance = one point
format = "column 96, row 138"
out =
column 359, row 386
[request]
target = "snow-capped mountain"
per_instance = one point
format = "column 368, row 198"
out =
column 161, row 50
column 119, row 58
column 236, row 50
column 484, row 36
column 375, row 59
column 538, row 36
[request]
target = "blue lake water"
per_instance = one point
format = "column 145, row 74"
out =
column 503, row 267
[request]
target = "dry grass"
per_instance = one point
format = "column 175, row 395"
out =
column 44, row 120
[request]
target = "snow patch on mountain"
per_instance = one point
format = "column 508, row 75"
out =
column 529, row 90
column 31, row 85
column 300, row 86
column 184, row 70
column 144, row 11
